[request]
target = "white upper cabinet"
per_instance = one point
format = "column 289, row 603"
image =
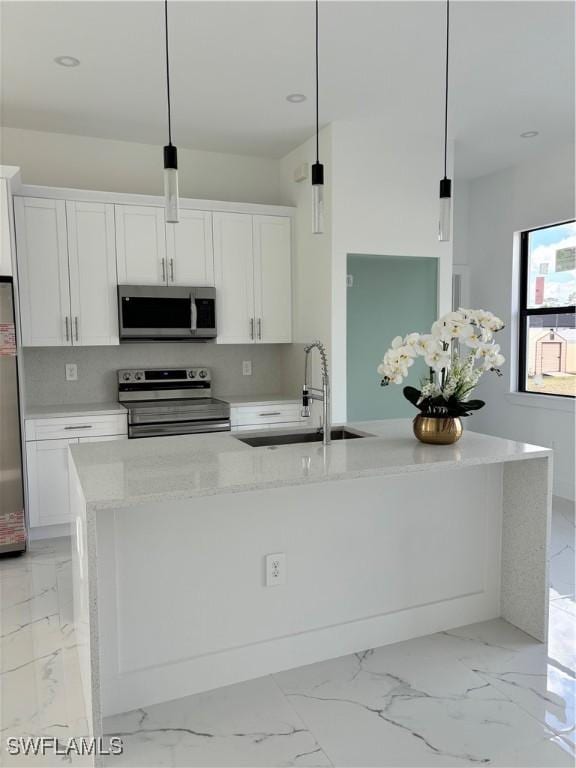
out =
column 272, row 279
column 71, row 256
column 67, row 272
column 92, row 260
column 141, row 245
column 189, row 253
column 252, row 258
column 234, row 272
column 42, row 257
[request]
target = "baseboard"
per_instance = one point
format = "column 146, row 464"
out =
column 49, row 531
column 565, row 490
column 564, row 504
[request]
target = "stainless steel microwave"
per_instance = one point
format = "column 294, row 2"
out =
column 166, row 313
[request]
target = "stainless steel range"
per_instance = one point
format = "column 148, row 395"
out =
column 171, row 401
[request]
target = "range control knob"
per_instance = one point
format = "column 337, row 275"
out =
column 126, row 376
column 203, row 374
column 191, row 374
column 138, row 375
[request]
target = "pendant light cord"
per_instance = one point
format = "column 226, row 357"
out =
column 317, row 90
column 168, row 75
column 446, row 97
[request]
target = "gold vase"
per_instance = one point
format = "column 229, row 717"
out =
column 437, row 430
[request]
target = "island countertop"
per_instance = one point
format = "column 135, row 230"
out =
column 126, row 473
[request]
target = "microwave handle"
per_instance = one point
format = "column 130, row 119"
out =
column 194, row 314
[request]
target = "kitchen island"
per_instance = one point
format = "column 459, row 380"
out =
column 384, row 539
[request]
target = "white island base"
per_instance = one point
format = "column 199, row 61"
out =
column 385, row 539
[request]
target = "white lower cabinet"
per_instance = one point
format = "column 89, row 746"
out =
column 244, row 418
column 47, row 469
column 48, row 481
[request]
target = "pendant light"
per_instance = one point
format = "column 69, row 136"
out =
column 317, row 167
column 446, row 183
column 170, row 151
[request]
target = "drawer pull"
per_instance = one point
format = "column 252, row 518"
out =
column 271, row 413
column 80, row 426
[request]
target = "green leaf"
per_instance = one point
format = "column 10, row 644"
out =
column 412, row 395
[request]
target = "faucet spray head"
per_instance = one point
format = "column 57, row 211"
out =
column 305, row 412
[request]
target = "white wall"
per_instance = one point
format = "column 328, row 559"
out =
column 312, row 264
column 83, row 162
column 385, row 202
column 535, row 194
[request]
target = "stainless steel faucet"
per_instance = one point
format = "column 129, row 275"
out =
column 313, row 393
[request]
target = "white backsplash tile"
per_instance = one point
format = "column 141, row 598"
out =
column 45, row 380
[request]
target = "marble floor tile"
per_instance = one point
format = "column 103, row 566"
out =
column 540, row 687
column 562, row 548
column 387, row 708
column 40, row 688
column 546, row 753
column 250, row 724
column 562, row 638
column 484, row 694
column 567, row 604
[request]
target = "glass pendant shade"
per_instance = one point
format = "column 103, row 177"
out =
column 171, row 184
column 444, row 221
column 317, row 199
column 318, row 209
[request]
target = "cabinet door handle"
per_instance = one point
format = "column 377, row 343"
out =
column 252, row 328
column 260, row 329
column 67, row 328
column 79, row 426
column 271, row 413
column 171, row 270
column 76, row 327
column 163, row 270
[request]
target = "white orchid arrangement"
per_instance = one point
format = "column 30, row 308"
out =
column 459, row 349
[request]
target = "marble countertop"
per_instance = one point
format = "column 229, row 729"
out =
column 266, row 399
column 76, row 409
column 127, row 473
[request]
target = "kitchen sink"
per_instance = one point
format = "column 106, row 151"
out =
column 292, row 438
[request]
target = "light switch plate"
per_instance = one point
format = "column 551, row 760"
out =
column 247, row 368
column 71, row 372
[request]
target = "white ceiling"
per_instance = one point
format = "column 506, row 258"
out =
column 233, row 63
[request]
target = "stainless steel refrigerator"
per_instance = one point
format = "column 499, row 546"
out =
column 12, row 519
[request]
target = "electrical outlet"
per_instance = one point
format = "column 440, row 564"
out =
column 71, row 372
column 247, row 368
column 349, row 281
column 275, row 569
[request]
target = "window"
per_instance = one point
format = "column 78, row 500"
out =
column 547, row 344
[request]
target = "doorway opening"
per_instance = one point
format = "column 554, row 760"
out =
column 387, row 296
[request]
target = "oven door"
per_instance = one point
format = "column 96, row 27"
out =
column 166, row 313
column 179, row 428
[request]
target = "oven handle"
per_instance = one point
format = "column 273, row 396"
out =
column 192, row 428
column 194, row 313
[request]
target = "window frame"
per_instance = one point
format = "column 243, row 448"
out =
column 524, row 312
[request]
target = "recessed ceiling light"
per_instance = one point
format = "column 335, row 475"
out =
column 67, row 61
column 529, row 134
column 296, row 98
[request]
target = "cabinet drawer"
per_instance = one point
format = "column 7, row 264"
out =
column 265, row 414
column 280, row 425
column 75, row 426
column 102, row 439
